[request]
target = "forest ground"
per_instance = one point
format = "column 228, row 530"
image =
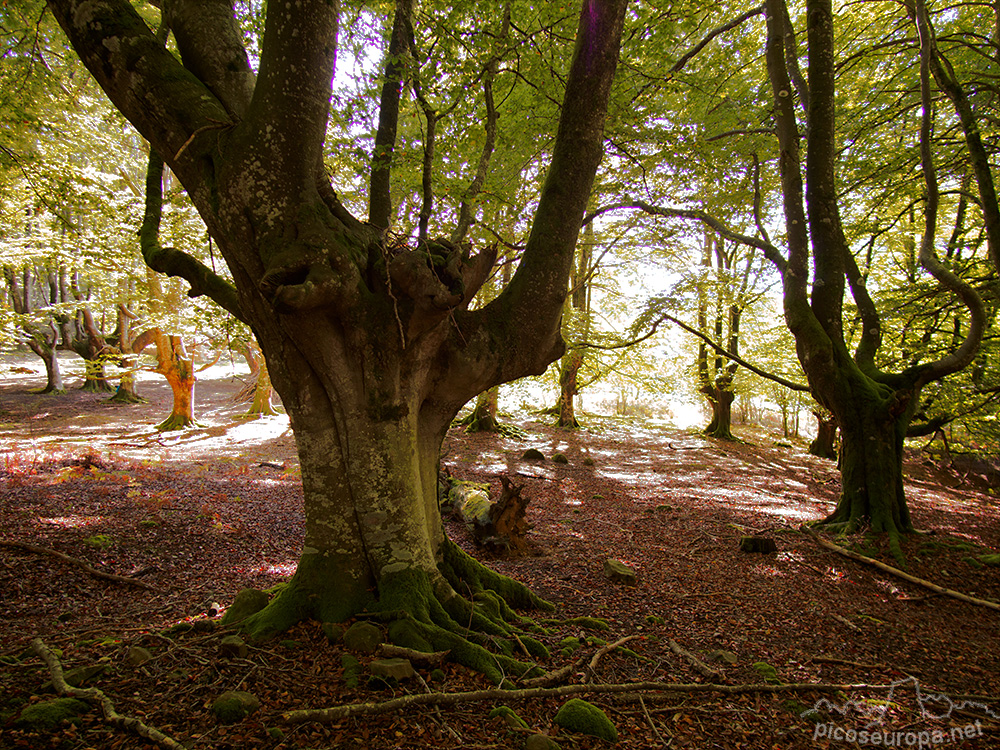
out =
column 201, row 514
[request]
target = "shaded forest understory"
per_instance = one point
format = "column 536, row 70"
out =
column 197, row 516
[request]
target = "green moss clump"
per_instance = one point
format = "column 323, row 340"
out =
column 559, row 458
column 352, row 670
column 536, row 648
column 246, row 603
column 582, row 717
column 588, row 623
column 47, row 715
column 767, row 672
column 654, row 620
column 233, row 705
column 507, row 714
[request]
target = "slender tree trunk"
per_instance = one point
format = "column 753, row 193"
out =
column 262, row 404
column 126, row 392
column 569, row 369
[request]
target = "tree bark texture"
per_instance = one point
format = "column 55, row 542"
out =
column 371, row 345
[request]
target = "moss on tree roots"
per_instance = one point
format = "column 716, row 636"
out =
column 463, row 607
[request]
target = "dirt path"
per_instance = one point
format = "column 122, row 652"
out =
column 202, row 514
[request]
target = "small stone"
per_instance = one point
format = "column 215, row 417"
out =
column 232, row 646
column 396, row 669
column 247, row 602
column 363, row 637
column 559, row 458
column 234, row 705
column 726, row 657
column 204, row 626
column 619, row 572
column 533, row 454
column 137, row 656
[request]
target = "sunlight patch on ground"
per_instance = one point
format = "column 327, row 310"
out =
column 74, row 522
column 281, row 569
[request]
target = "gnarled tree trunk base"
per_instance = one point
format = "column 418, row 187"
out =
column 422, row 611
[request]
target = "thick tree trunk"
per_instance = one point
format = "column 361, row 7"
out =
column 721, row 400
column 262, row 404
column 824, row 444
column 53, row 375
column 126, row 392
column 872, row 428
column 484, row 414
column 178, row 368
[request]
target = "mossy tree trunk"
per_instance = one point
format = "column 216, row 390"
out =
column 373, row 346
column 871, row 406
column 483, row 417
column 721, row 399
column 824, row 445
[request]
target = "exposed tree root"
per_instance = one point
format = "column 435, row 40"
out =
column 335, row 713
column 96, row 697
column 79, row 563
column 897, row 572
column 176, row 422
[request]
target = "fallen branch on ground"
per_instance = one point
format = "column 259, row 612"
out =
column 698, row 664
column 95, row 696
column 335, row 713
column 899, row 573
column 79, row 563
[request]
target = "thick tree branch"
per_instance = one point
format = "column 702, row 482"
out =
column 211, row 46
column 963, row 355
column 379, row 191
column 173, row 262
column 165, row 102
column 534, row 298
column 291, row 101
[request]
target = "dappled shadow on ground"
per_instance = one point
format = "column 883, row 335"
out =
column 200, row 515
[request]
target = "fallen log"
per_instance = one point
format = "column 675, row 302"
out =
column 500, row 524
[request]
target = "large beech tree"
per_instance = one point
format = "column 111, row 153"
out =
column 370, row 343
column 872, row 406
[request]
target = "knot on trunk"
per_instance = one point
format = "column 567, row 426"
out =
column 436, row 277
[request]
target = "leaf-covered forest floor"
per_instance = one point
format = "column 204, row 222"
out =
column 201, row 514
